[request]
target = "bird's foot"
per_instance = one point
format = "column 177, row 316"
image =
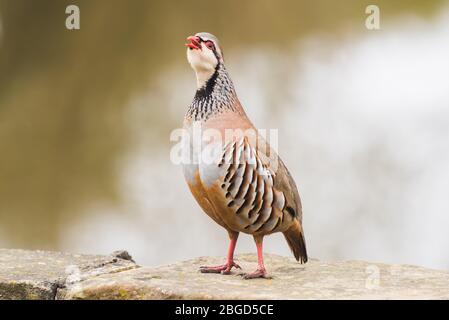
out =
column 259, row 273
column 223, row 269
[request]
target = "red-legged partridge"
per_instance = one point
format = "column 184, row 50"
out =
column 232, row 172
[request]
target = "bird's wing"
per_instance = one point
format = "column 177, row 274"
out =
column 282, row 179
column 284, row 183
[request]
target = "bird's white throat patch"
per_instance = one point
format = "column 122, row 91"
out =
column 203, row 62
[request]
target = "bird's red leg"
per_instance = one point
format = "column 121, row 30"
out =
column 260, row 272
column 225, row 268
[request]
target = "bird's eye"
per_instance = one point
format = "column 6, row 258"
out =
column 210, row 45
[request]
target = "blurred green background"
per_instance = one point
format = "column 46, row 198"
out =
column 65, row 95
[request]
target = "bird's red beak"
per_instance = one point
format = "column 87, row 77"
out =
column 194, row 42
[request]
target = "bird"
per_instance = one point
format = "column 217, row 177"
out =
column 232, row 171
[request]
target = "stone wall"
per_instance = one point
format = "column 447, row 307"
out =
column 55, row 275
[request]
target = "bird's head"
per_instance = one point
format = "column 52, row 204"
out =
column 204, row 55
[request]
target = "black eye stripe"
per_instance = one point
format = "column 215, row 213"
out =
column 210, row 42
column 214, row 48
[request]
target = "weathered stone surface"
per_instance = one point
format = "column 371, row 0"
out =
column 315, row 280
column 53, row 275
column 28, row 274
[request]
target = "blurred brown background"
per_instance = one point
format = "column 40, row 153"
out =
column 85, row 118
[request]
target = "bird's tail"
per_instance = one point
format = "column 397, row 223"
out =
column 296, row 241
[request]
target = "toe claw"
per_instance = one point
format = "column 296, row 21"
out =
column 223, row 269
column 259, row 273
